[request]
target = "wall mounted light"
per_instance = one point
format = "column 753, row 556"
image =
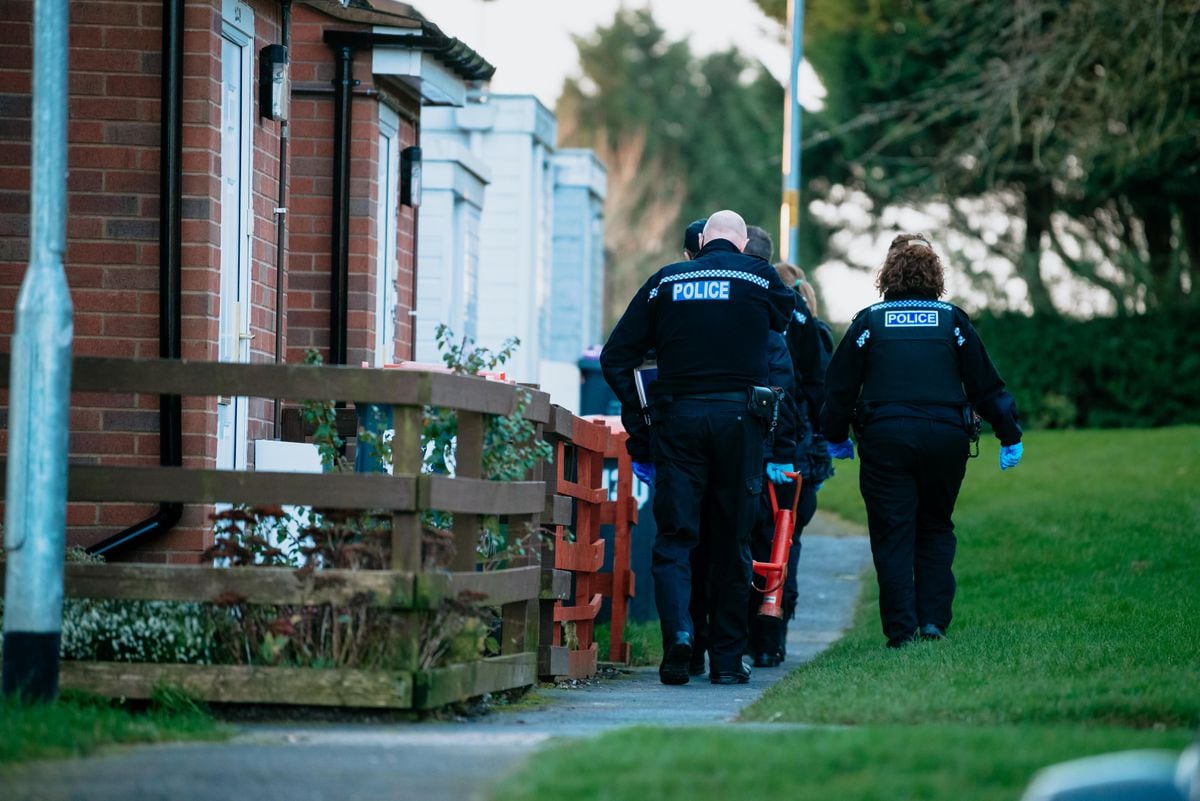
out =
column 410, row 176
column 274, row 83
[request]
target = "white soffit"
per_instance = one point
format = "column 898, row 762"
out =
column 436, row 84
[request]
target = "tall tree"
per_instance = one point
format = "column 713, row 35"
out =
column 682, row 135
column 632, row 77
column 1079, row 119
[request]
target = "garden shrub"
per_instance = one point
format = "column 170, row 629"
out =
column 1106, row 372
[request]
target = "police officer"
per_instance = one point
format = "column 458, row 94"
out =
column 767, row 634
column 813, row 462
column 691, row 238
column 907, row 374
column 707, row 321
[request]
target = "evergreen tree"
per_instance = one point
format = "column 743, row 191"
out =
column 682, row 136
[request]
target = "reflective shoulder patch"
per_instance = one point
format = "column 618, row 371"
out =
column 800, row 318
column 912, row 304
column 910, row 318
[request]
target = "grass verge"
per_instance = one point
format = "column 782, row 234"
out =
column 1077, row 597
column 79, row 723
column 644, row 638
column 847, row 764
column 1074, row 634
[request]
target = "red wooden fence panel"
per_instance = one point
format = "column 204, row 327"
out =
column 622, row 514
column 584, row 556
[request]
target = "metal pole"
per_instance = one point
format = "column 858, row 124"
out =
column 789, row 211
column 35, row 517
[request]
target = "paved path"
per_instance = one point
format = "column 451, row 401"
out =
column 452, row 761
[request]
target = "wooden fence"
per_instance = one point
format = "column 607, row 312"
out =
column 525, row 594
column 621, row 512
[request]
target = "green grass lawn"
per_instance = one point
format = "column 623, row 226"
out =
column 79, row 723
column 1075, row 633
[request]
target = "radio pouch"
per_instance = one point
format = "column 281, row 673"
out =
column 973, row 423
column 763, row 403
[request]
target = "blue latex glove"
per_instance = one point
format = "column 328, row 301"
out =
column 840, row 450
column 776, row 471
column 644, row 471
column 1010, row 455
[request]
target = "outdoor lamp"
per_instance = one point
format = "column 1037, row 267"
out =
column 410, row 176
column 273, row 83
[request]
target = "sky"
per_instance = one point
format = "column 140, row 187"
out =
column 529, row 41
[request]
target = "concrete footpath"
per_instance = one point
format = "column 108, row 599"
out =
column 447, row 761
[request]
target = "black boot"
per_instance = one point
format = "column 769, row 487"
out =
column 767, row 638
column 677, row 656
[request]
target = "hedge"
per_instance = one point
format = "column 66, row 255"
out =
column 1100, row 373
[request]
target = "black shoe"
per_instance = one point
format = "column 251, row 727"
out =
column 932, row 631
column 696, row 663
column 740, row 675
column 766, row 659
column 767, row 635
column 676, row 659
column 900, row 642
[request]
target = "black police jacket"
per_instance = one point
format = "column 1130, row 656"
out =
column 792, row 432
column 707, row 321
column 810, row 358
column 912, row 356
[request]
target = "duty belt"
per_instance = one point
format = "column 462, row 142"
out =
column 739, row 395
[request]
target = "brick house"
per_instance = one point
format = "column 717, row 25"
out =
column 180, row 242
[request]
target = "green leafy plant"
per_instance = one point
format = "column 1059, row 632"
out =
column 511, row 445
column 322, row 416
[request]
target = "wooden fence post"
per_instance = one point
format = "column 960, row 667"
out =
column 407, row 460
column 468, row 463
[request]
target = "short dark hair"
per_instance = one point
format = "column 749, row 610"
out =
column 911, row 268
column 691, row 236
column 758, row 243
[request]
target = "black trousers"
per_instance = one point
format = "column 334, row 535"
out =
column 708, row 461
column 910, row 476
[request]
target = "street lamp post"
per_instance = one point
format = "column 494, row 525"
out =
column 789, row 211
column 40, row 383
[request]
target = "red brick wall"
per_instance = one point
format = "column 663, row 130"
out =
column 112, row 256
column 112, row 259
column 310, row 207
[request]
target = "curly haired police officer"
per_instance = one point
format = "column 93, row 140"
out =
column 707, row 321
column 907, row 374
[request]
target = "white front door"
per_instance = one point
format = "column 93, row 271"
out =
column 386, row 209
column 236, row 127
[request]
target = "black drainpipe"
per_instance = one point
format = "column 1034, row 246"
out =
column 343, row 87
column 285, row 28
column 170, row 317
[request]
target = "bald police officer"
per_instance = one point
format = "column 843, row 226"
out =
column 707, row 321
